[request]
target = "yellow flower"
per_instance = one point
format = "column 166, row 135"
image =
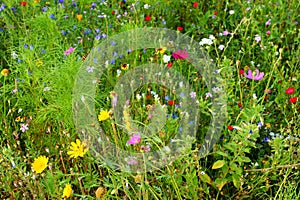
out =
column 77, row 149
column 67, row 191
column 79, row 17
column 161, row 50
column 104, row 115
column 40, row 164
column 36, row 1
column 5, row 72
column 18, row 119
column 39, row 63
column 124, row 66
column 268, row 125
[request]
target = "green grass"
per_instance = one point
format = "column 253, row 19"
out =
column 39, row 91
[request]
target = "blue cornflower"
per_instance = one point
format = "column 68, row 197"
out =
column 13, row 9
column 52, row 17
column 63, row 32
column 44, row 9
column 25, row 46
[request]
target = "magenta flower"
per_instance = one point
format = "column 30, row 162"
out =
column 180, row 54
column 145, row 148
column 134, row 139
column 69, row 51
column 24, row 127
column 254, row 76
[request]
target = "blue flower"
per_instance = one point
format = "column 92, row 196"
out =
column 44, row 9
column 103, row 35
column 25, row 46
column 167, row 98
column 63, row 32
column 2, row 7
column 52, row 17
column 13, row 9
column 250, row 131
column 266, row 139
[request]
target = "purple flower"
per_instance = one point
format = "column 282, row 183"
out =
column 134, row 139
column 24, row 127
column 180, row 54
column 131, row 160
column 254, row 76
column 225, row 33
column 193, row 95
column 257, row 38
column 268, row 22
column 69, row 51
column 2, row 7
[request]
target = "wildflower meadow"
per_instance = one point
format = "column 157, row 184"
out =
column 127, row 99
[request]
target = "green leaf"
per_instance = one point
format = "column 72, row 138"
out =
column 220, row 183
column 205, row 178
column 243, row 159
column 218, row 164
column 221, row 153
column 236, row 181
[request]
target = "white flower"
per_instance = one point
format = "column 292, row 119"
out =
column 146, row 6
column 166, row 58
column 138, row 97
column 14, row 55
column 221, row 47
column 212, row 37
column 118, row 72
column 206, row 41
column 231, row 12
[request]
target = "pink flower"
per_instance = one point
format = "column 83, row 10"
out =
column 195, row 4
column 69, row 51
column 180, row 54
column 134, row 139
column 145, row 148
column 24, row 127
column 268, row 32
column 256, row 76
column 131, row 160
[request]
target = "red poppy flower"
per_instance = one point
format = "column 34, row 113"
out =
column 23, row 3
column 148, row 96
column 241, row 71
column 293, row 99
column 290, row 91
column 215, row 12
column 240, row 105
column 171, row 102
column 230, row 128
column 169, row 64
column 195, row 4
column 179, row 28
column 148, row 18
column 113, row 12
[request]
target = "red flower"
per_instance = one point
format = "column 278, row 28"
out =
column 169, row 64
column 113, row 12
column 240, row 105
column 230, row 128
column 293, row 99
column 195, row 4
column 148, row 18
column 171, row 102
column 148, row 96
column 215, row 12
column 179, row 28
column 241, row 71
column 290, row 91
column 23, row 3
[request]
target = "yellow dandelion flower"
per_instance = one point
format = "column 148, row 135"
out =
column 36, row 1
column 79, row 17
column 67, row 191
column 77, row 149
column 104, row 115
column 5, row 72
column 161, row 50
column 268, row 125
column 40, row 164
